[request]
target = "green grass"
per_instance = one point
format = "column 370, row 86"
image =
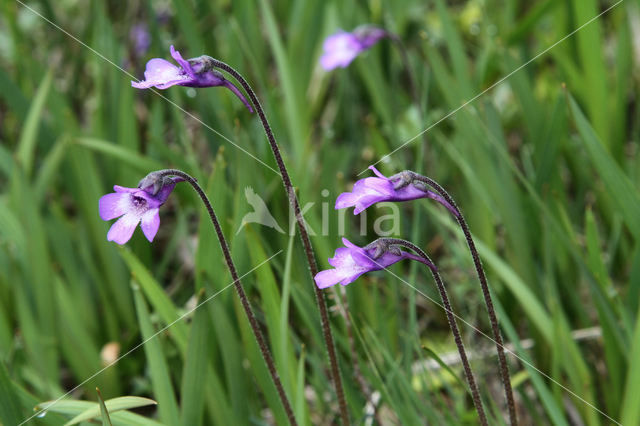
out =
column 544, row 167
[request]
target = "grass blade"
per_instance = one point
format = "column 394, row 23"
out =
column 617, row 184
column 158, row 367
column 194, row 376
column 27, row 143
column 11, row 412
column 157, row 297
column 104, row 413
column 110, row 406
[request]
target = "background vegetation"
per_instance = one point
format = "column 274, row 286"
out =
column 544, row 165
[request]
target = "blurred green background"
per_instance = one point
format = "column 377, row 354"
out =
column 544, row 166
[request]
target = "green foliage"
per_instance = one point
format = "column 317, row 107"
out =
column 544, row 166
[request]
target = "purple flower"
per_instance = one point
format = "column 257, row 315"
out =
column 135, row 205
column 343, row 47
column 193, row 72
column 351, row 261
column 400, row 187
column 139, row 35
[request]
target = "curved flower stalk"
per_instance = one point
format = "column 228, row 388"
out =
column 141, row 205
column 304, row 235
column 351, row 261
column 341, row 48
column 415, row 180
column 205, row 64
column 193, row 72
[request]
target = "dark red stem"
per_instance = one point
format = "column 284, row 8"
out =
column 475, row 393
column 497, row 337
column 306, row 242
column 266, row 354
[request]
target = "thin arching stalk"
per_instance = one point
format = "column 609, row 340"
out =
column 475, row 393
column 497, row 337
column 306, row 242
column 266, row 354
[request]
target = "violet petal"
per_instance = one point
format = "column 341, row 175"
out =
column 186, row 67
column 113, row 205
column 122, row 230
column 150, row 222
column 161, row 74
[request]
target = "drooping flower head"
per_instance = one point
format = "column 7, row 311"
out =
column 351, row 261
column 342, row 47
column 134, row 206
column 193, row 72
column 400, row 187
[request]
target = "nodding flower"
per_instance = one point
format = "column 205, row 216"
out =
column 351, row 261
column 135, row 206
column 343, row 47
column 399, row 187
column 194, row 72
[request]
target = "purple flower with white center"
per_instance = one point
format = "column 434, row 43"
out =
column 351, row 261
column 134, row 206
column 400, row 187
column 343, row 47
column 193, row 72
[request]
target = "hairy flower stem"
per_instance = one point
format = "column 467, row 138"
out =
column 497, row 337
column 475, row 393
column 266, row 354
column 306, row 242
